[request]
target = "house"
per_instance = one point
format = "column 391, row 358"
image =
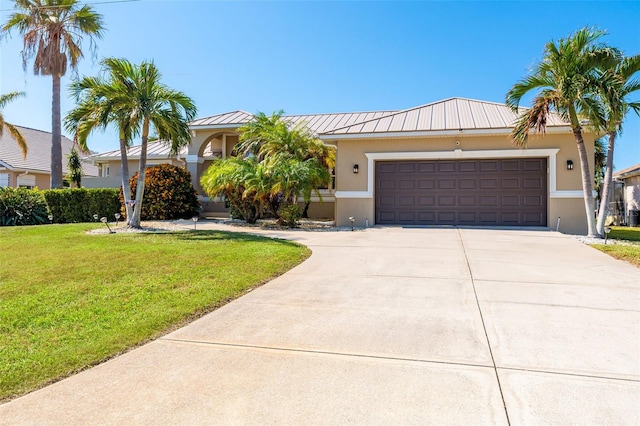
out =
column 629, row 178
column 444, row 163
column 34, row 170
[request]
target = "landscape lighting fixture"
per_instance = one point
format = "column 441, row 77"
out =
column 117, row 216
column 352, row 220
column 355, row 168
column 50, row 218
column 195, row 222
column 104, row 220
column 95, row 217
column 569, row 164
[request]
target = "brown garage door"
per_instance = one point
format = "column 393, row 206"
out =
column 505, row 192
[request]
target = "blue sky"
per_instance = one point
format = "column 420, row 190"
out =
column 313, row 57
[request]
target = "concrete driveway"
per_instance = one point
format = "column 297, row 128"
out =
column 389, row 326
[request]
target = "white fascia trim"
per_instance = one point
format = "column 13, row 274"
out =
column 354, row 194
column 194, row 159
column 459, row 154
column 434, row 133
column 569, row 194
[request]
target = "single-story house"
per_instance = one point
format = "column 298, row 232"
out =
column 34, row 170
column 444, row 163
column 629, row 178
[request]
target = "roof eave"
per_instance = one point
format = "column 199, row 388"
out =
column 433, row 133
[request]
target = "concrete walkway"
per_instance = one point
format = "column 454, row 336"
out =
column 388, row 326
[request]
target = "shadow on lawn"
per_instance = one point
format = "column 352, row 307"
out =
column 208, row 235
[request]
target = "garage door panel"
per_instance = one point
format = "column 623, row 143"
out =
column 467, row 183
column 427, row 166
column 406, row 184
column 462, row 192
column 447, row 184
column 467, row 200
column 488, row 183
column 427, row 201
column 467, row 166
column 426, row 183
column 446, row 166
column 446, row 201
column 387, row 184
column 406, row 201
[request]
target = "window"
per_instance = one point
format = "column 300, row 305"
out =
column 26, row 181
column 105, row 170
column 4, row 180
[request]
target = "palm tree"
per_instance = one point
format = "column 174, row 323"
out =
column 52, row 32
column 13, row 130
column 566, row 83
column 299, row 161
column 135, row 99
column 617, row 83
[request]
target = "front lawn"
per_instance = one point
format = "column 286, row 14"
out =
column 630, row 252
column 69, row 300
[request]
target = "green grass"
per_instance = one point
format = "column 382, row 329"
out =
column 69, row 299
column 628, row 253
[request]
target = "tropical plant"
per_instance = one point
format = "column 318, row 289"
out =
column 13, row 130
column 168, row 193
column 74, row 165
column 21, row 206
column 133, row 98
column 616, row 84
column 229, row 178
column 566, row 81
column 52, row 32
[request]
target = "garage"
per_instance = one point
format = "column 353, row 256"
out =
column 478, row 192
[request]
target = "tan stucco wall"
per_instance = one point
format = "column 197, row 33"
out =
column 43, row 180
column 632, row 193
column 352, row 151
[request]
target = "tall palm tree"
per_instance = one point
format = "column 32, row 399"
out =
column 13, row 130
column 616, row 84
column 52, row 33
column 566, row 83
column 134, row 98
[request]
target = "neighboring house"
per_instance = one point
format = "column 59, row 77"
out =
column 109, row 167
column 444, row 163
column 630, row 180
column 34, row 170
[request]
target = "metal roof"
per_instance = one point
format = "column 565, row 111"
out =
column 227, row 118
column 628, row 172
column 448, row 114
column 156, row 149
column 38, row 152
column 317, row 123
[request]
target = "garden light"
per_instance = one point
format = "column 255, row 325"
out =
column 104, row 220
column 50, row 216
column 352, row 220
column 117, row 216
column 195, row 222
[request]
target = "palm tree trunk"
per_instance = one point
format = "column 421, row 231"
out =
column 126, row 187
column 606, row 185
column 56, row 132
column 587, row 183
column 137, row 208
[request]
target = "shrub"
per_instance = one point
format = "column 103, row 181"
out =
column 168, row 193
column 289, row 215
column 21, row 206
column 80, row 204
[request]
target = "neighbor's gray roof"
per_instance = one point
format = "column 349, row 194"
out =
column 38, row 152
column 628, row 172
column 448, row 114
column 317, row 123
column 156, row 149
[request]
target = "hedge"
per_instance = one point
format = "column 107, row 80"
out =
column 21, row 206
column 81, row 204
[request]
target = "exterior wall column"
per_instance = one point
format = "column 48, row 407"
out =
column 194, row 165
